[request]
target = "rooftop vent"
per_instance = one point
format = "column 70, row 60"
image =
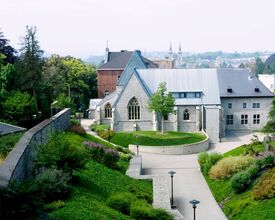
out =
column 123, row 51
column 229, row 90
column 257, row 90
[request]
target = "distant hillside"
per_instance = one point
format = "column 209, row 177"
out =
column 95, row 60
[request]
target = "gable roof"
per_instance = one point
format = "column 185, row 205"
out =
column 117, row 60
column 184, row 80
column 242, row 83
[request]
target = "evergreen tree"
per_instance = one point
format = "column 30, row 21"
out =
column 6, row 50
column 270, row 125
column 162, row 102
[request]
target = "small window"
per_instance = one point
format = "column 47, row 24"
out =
column 183, row 94
column 190, row 95
column 229, row 90
column 244, row 105
column 107, row 92
column 118, row 77
column 244, row 119
column 256, row 119
column 229, row 105
column 186, row 115
column 133, row 109
column 257, row 90
column 197, row 94
column 229, row 119
column 256, row 105
column 165, row 117
column 176, row 95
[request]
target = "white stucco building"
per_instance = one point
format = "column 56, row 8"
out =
column 215, row 100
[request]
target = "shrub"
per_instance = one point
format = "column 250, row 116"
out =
column 78, row 129
column 97, row 128
column 7, row 142
column 265, row 188
column 106, row 134
column 75, row 121
column 54, row 182
column 62, row 153
column 140, row 210
column 121, row 202
column 266, row 162
column 54, row 205
column 139, row 194
column 107, row 156
column 229, row 166
column 243, row 179
column 206, row 160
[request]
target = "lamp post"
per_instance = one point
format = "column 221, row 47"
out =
column 172, row 189
column 137, row 145
column 194, row 203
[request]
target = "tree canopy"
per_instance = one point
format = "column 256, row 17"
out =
column 270, row 125
column 162, row 102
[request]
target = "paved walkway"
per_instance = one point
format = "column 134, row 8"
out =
column 189, row 183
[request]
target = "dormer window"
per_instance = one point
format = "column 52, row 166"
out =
column 229, row 90
column 257, row 90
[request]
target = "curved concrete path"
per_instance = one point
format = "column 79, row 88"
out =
column 189, row 183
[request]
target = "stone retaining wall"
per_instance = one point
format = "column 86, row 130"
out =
column 19, row 163
column 173, row 149
column 161, row 187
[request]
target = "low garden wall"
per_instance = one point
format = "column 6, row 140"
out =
column 173, row 149
column 161, row 187
column 19, row 163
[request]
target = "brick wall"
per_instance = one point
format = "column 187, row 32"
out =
column 107, row 81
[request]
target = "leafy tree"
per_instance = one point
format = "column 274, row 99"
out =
column 162, row 102
column 7, row 50
column 19, row 109
column 270, row 125
column 29, row 66
column 259, row 66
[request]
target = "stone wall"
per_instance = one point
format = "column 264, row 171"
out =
column 173, row 149
column 19, row 163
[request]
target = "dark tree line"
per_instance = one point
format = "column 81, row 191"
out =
column 29, row 82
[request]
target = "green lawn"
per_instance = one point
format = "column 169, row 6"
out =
column 93, row 185
column 153, row 138
column 7, row 142
column 240, row 206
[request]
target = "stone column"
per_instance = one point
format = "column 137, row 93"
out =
column 97, row 115
column 112, row 119
column 155, row 122
column 176, row 118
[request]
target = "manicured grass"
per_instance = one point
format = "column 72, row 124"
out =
column 7, row 142
column 95, row 184
column 241, row 150
column 240, row 206
column 153, row 138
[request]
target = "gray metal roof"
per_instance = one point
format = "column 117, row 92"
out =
column 117, row 60
column 242, row 83
column 184, row 80
column 8, row 128
column 94, row 103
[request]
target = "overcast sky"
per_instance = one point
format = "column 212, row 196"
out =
column 81, row 27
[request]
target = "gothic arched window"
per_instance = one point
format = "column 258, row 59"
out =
column 133, row 109
column 186, row 115
column 108, row 110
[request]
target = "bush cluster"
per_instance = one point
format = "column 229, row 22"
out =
column 98, row 128
column 228, row 166
column 127, row 204
column 206, row 160
column 106, row 134
column 243, row 179
column 107, row 156
column 62, row 153
column 265, row 188
column 78, row 129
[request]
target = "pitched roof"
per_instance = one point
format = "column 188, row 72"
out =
column 117, row 60
column 8, row 128
column 242, row 83
column 93, row 103
column 184, row 80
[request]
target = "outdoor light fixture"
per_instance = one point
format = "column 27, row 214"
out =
column 194, row 203
column 172, row 196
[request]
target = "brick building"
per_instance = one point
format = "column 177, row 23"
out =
column 114, row 64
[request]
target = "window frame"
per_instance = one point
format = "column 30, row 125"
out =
column 186, row 115
column 244, row 119
column 256, row 119
column 108, row 110
column 229, row 119
column 133, row 108
column 229, row 105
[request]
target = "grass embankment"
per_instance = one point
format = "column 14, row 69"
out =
column 94, row 185
column 241, row 206
column 7, row 142
column 153, row 138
